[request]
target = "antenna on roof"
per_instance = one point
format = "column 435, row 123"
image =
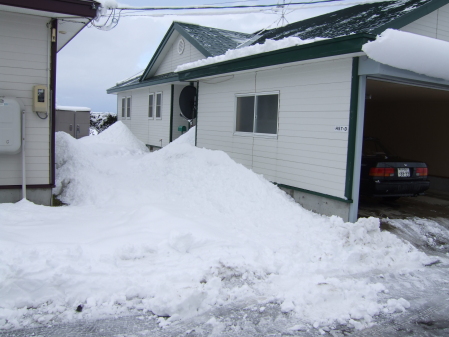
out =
column 283, row 20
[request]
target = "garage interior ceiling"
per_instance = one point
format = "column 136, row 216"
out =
column 391, row 91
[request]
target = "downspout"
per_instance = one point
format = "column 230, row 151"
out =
column 354, row 207
column 53, row 51
column 196, row 106
column 171, row 111
column 24, row 183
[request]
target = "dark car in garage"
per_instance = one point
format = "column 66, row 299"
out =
column 386, row 175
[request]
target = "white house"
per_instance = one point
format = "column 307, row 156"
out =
column 31, row 34
column 312, row 104
column 149, row 103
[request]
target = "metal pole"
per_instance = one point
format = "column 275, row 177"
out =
column 24, row 187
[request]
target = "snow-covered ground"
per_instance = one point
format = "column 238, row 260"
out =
column 183, row 231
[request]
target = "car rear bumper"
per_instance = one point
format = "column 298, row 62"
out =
column 397, row 188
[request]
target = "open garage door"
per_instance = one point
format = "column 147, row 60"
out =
column 412, row 122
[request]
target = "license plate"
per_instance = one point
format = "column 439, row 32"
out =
column 403, row 172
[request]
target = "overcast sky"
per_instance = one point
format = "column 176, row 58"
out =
column 96, row 60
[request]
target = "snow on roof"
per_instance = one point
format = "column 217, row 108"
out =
column 362, row 18
column 417, row 53
column 71, row 108
column 215, row 41
column 268, row 46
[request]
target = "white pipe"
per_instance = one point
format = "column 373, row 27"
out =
column 24, row 187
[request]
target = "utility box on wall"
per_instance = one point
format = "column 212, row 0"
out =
column 10, row 126
column 73, row 120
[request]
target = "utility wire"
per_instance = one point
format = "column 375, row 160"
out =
column 174, row 8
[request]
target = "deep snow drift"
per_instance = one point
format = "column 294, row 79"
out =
column 179, row 231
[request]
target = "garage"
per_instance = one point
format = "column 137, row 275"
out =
column 411, row 119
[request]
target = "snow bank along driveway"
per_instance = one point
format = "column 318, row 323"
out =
column 179, row 231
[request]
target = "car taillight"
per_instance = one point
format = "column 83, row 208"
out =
column 381, row 172
column 421, row 171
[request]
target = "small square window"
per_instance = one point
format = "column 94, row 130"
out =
column 257, row 113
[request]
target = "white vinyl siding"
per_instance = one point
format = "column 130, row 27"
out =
column 24, row 57
column 150, row 131
column 314, row 97
column 434, row 25
column 173, row 59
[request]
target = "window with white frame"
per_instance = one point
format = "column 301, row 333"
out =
column 151, row 106
column 123, row 107
column 257, row 113
column 159, row 105
column 126, row 107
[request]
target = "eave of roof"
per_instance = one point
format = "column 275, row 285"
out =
column 326, row 48
column 83, row 8
column 166, row 78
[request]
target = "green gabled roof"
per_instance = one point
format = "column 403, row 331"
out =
column 371, row 18
column 209, row 41
column 214, row 41
column 365, row 20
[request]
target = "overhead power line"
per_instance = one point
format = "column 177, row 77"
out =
column 176, row 8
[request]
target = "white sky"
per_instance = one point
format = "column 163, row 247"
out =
column 96, row 60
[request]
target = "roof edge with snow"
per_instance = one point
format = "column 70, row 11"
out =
column 161, row 79
column 325, row 48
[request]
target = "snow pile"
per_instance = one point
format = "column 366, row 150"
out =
column 420, row 54
column 180, row 231
column 268, row 46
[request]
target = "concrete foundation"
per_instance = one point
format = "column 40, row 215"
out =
column 40, row 196
column 319, row 204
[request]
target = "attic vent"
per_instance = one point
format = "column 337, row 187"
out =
column 181, row 46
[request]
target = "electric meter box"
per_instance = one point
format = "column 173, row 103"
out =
column 40, row 98
column 10, row 126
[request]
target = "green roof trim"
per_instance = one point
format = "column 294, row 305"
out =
column 350, row 158
column 158, row 51
column 166, row 78
column 324, row 48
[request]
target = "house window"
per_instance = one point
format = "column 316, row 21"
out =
column 128, row 107
column 257, row 113
column 123, row 107
column 159, row 105
column 150, row 106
